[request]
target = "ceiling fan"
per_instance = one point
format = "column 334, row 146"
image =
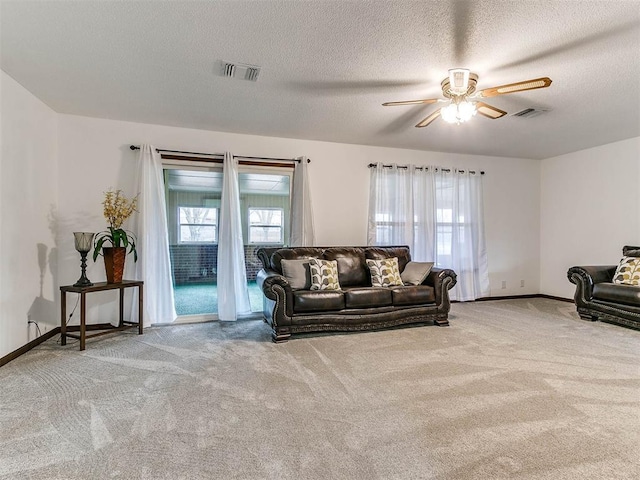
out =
column 459, row 90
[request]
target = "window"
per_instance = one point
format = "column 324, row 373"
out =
column 446, row 228
column 384, row 228
column 198, row 225
column 266, row 225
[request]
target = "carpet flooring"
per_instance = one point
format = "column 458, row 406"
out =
column 202, row 298
column 514, row 389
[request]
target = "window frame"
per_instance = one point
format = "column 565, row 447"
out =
column 250, row 225
column 198, row 242
column 463, row 228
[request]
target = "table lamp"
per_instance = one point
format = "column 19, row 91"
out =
column 84, row 242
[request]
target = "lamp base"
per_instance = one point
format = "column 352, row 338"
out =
column 83, row 282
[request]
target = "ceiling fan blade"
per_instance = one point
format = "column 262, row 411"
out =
column 489, row 111
column 543, row 82
column 411, row 102
column 429, row 119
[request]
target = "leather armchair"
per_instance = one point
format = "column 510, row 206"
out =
column 598, row 298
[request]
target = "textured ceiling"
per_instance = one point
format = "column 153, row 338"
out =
column 327, row 66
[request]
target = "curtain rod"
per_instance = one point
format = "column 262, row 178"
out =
column 472, row 172
column 159, row 150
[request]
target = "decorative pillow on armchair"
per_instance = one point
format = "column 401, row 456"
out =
column 324, row 274
column 628, row 272
column 384, row 272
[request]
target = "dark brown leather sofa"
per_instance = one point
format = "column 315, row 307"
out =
column 358, row 305
column 598, row 298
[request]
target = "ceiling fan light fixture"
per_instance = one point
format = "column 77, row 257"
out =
column 458, row 112
column 460, row 87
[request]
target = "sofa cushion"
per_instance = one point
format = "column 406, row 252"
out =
column 628, row 271
column 413, row 295
column 297, row 253
column 367, row 297
column 297, row 273
column 384, row 272
column 401, row 253
column 615, row 293
column 352, row 270
column 415, row 272
column 324, row 274
column 317, row 301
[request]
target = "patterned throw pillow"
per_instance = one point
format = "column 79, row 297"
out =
column 385, row 272
column 324, row 274
column 628, row 272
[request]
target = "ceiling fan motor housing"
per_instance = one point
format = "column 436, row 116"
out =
column 449, row 92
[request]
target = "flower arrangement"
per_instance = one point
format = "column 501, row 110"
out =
column 117, row 208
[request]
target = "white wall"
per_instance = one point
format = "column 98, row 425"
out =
column 28, row 201
column 55, row 168
column 541, row 217
column 94, row 155
column 590, row 209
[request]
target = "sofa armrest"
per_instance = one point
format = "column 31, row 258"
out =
column 267, row 279
column 277, row 289
column 438, row 275
column 442, row 280
column 585, row 277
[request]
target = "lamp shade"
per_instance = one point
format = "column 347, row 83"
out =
column 83, row 241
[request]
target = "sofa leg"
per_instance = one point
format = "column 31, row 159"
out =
column 279, row 337
column 441, row 322
column 586, row 314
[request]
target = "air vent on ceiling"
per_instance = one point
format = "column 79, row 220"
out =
column 530, row 112
column 240, row 71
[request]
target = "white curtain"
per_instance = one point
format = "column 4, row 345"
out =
column 438, row 214
column 233, row 293
column 302, row 231
column 401, row 210
column 424, row 215
column 390, row 206
column 154, row 264
column 460, row 242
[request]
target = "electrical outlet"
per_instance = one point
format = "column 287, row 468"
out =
column 504, row 284
column 521, row 283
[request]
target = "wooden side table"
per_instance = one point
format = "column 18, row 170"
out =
column 105, row 327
